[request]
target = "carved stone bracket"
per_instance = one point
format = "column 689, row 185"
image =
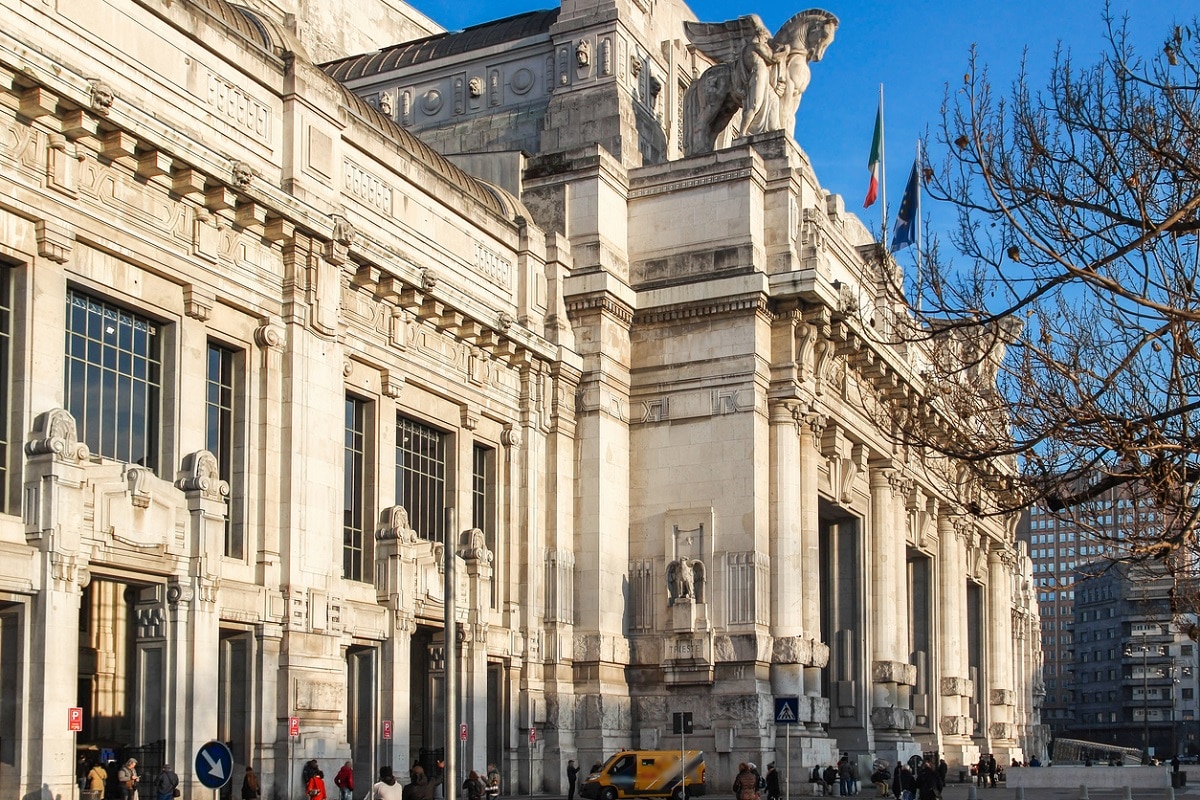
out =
column 953, row 725
column 956, row 687
column 393, row 524
column 55, row 239
column 511, row 437
column 891, row 718
column 102, row 96
column 197, row 303
column 1001, row 730
column 54, row 434
column 473, row 546
column 200, row 475
column 894, row 672
column 269, row 335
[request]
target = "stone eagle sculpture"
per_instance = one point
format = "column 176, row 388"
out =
column 761, row 75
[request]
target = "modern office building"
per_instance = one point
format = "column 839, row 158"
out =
column 273, row 363
column 1120, row 666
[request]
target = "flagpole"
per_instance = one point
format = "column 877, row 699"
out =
column 883, row 208
column 919, row 238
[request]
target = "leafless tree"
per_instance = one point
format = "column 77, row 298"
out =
column 1063, row 329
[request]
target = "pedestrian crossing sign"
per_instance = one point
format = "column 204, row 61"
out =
column 787, row 710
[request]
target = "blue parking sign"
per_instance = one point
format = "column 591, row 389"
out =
column 214, row 764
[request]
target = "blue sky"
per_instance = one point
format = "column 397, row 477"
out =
column 914, row 49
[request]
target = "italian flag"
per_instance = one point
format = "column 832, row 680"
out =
column 876, row 157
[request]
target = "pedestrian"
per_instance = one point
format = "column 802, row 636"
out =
column 991, row 770
column 128, row 778
column 927, row 782
column 572, row 774
column 344, row 780
column 492, row 788
column 844, row 777
column 745, row 785
column 897, row 789
column 473, row 786
column 251, row 788
column 942, row 769
column 386, row 788
column 422, row 787
column 908, row 783
column 315, row 788
column 167, row 785
column 97, row 776
column 773, row 790
column 310, row 769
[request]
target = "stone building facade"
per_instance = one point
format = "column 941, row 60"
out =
column 630, row 391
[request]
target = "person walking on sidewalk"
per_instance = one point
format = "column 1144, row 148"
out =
column 572, row 775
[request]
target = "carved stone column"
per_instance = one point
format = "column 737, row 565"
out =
column 54, row 476
column 1001, row 697
column 192, row 695
column 269, row 337
column 955, row 687
column 787, row 613
column 473, row 649
column 391, row 581
column 811, row 429
column 891, row 717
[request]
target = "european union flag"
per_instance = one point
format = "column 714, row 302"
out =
column 910, row 210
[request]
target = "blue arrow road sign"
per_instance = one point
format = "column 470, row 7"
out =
column 787, row 710
column 214, row 765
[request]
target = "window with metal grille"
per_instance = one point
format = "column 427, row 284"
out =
column 482, row 506
column 223, row 438
column 6, row 381
column 421, row 476
column 114, row 379
column 357, row 552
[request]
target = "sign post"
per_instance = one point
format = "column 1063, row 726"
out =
column 683, row 726
column 787, row 714
column 532, row 742
column 387, row 737
column 293, row 733
column 75, row 725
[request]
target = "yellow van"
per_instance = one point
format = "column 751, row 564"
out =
column 647, row 773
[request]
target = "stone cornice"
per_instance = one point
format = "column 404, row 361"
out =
column 730, row 305
column 605, row 303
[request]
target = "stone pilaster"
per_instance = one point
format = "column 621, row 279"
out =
column 54, row 474
column 1001, row 699
column 810, row 552
column 891, row 717
column 954, row 685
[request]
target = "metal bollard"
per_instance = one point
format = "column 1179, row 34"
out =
column 1020, row 793
column 1171, row 793
column 1083, row 795
column 1128, row 793
column 972, row 794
